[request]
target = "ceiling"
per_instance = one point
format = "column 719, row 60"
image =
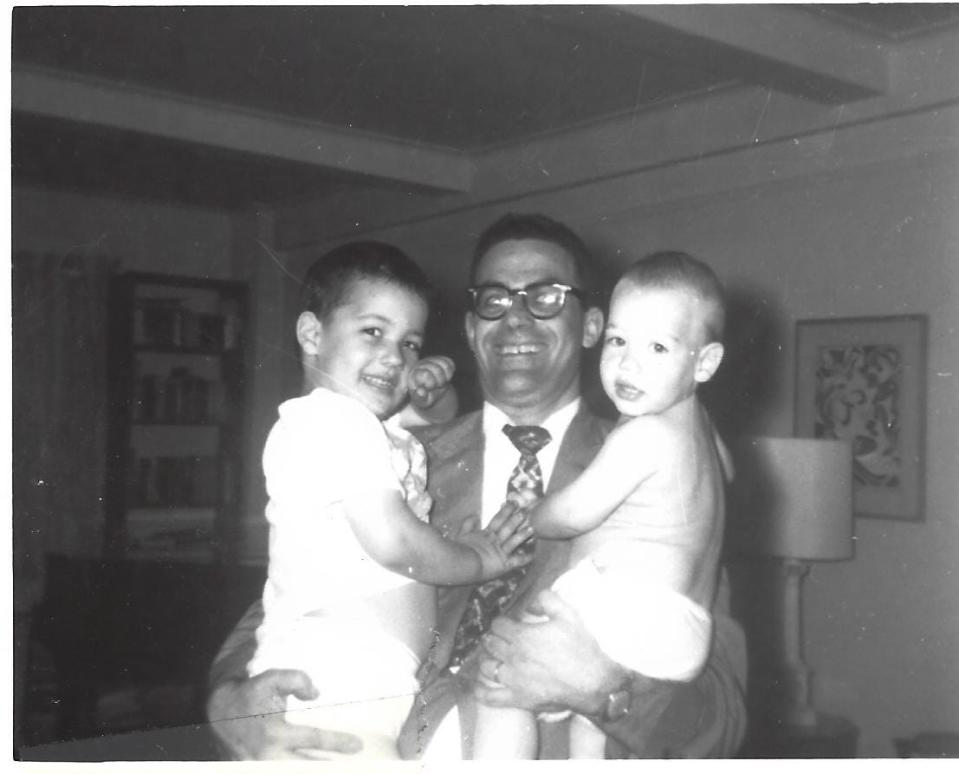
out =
column 458, row 80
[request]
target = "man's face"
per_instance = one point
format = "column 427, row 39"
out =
column 527, row 367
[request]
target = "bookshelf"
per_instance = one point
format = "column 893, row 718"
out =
column 176, row 381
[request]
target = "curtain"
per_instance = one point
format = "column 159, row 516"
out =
column 59, row 326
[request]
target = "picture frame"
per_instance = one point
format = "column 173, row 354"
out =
column 863, row 379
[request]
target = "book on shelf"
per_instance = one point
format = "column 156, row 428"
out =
column 184, row 533
column 157, row 322
column 164, row 481
column 179, row 398
column 168, row 322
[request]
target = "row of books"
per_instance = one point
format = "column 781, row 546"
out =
column 167, row 322
column 180, row 397
column 175, row 481
column 192, row 535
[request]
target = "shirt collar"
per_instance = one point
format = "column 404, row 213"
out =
column 556, row 423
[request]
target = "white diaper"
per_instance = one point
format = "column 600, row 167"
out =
column 649, row 629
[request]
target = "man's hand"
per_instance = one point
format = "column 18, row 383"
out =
column 546, row 665
column 429, row 380
column 247, row 718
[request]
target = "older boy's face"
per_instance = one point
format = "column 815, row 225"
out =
column 654, row 349
column 529, row 367
column 366, row 347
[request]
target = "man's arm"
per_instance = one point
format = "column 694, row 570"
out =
column 246, row 714
column 557, row 664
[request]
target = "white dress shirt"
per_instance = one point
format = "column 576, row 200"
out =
column 500, row 456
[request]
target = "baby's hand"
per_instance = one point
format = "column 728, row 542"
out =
column 429, row 379
column 497, row 543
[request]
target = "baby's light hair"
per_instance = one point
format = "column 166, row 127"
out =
column 673, row 269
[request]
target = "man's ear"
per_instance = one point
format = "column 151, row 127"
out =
column 309, row 330
column 592, row 326
column 469, row 325
column 710, row 356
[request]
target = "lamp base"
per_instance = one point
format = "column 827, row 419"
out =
column 800, row 717
column 796, row 675
column 797, row 711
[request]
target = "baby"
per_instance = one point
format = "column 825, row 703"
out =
column 646, row 517
column 348, row 504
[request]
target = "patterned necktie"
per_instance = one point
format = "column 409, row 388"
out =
column 490, row 599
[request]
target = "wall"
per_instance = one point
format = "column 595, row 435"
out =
column 857, row 222
column 143, row 236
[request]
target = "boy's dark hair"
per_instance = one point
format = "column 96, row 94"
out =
column 515, row 225
column 329, row 277
column 675, row 269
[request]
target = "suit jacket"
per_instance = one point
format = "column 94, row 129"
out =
column 455, row 455
column 704, row 718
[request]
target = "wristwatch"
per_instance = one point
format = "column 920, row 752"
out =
column 617, row 704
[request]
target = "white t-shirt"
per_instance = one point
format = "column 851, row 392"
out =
column 324, row 447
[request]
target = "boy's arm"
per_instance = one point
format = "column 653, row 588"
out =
column 433, row 399
column 396, row 539
column 622, row 464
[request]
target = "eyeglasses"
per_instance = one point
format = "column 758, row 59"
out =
column 544, row 300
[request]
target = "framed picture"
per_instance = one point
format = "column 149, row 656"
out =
column 863, row 380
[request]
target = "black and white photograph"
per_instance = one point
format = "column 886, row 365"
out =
column 634, row 318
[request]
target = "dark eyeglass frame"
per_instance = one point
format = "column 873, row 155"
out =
column 564, row 289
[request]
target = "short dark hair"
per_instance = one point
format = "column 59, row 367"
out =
column 676, row 269
column 329, row 277
column 515, row 225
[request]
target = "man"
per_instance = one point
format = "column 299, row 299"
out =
column 530, row 322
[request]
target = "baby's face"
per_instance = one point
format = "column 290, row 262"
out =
column 652, row 349
column 366, row 347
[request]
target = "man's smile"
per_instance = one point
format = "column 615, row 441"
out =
column 519, row 348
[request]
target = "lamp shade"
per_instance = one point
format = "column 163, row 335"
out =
column 794, row 497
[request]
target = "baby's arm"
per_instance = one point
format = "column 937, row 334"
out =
column 390, row 533
column 621, row 465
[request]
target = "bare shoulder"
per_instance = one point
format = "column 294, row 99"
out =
column 651, row 432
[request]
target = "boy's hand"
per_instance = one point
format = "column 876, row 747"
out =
column 522, row 498
column 497, row 543
column 429, row 380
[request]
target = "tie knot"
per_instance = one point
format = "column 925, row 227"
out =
column 529, row 439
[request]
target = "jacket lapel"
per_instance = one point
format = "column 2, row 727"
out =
column 582, row 441
column 456, row 470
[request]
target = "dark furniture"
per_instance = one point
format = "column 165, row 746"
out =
column 146, row 630
column 831, row 737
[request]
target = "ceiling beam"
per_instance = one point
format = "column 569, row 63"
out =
column 778, row 47
column 91, row 101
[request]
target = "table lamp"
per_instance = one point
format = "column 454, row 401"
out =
column 795, row 496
